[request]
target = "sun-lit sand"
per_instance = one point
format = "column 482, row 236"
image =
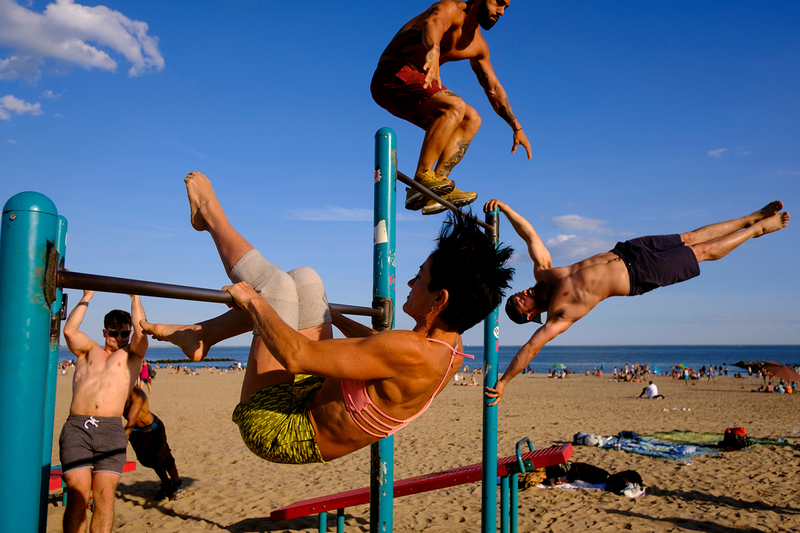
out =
column 232, row 490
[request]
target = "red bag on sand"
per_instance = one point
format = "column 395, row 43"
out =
column 735, row 438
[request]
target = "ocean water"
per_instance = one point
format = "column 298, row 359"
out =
column 577, row 358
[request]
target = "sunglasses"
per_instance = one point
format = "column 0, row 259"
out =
column 124, row 333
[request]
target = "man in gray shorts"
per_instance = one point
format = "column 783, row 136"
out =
column 93, row 442
column 634, row 267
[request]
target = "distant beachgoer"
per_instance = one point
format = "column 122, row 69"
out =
column 93, row 444
column 148, row 438
column 634, row 267
column 144, row 376
column 651, row 391
column 309, row 398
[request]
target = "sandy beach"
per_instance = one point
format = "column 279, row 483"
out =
column 229, row 489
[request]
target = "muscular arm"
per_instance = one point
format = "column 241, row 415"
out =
column 549, row 331
column 132, row 413
column 482, row 68
column 138, row 344
column 439, row 19
column 536, row 248
column 78, row 342
column 382, row 356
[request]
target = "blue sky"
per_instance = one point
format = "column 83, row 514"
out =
column 643, row 120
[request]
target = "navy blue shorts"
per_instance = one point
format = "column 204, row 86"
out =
column 656, row 261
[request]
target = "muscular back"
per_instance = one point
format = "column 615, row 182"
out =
column 102, row 382
column 458, row 42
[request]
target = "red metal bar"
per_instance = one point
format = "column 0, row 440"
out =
column 541, row 458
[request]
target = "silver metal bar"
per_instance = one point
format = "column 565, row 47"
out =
column 78, row 280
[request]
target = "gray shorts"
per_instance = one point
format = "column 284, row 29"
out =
column 298, row 296
column 97, row 442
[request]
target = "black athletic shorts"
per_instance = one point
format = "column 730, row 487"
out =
column 656, row 261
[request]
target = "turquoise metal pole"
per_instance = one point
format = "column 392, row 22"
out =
column 340, row 521
column 383, row 285
column 52, row 375
column 504, row 507
column 513, row 510
column 28, row 230
column 491, row 341
column 323, row 522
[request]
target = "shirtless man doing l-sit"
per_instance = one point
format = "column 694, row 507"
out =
column 407, row 83
column 93, row 443
column 634, row 267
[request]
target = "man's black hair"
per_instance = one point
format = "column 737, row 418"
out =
column 471, row 269
column 116, row 319
column 514, row 314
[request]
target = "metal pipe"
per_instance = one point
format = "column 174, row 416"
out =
column 415, row 185
column 77, row 280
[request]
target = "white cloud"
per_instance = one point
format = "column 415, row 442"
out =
column 64, row 32
column 578, row 223
column 332, row 214
column 577, row 247
column 10, row 104
column 12, row 141
column 51, row 94
column 787, row 172
column 717, row 153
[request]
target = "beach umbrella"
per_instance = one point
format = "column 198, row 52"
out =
column 655, row 369
column 560, row 366
column 781, row 371
column 679, row 367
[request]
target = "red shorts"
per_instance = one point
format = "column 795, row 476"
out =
column 398, row 89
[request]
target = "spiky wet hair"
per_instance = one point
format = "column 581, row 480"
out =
column 471, row 269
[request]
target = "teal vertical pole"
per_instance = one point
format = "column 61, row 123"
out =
column 383, row 286
column 28, row 231
column 340, row 521
column 52, row 374
column 513, row 510
column 504, row 507
column 491, row 342
column 323, row 522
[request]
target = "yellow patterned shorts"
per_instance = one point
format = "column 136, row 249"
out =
column 275, row 424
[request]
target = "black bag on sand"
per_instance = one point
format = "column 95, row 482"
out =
column 588, row 473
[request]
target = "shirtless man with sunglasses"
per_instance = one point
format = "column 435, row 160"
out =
column 93, row 442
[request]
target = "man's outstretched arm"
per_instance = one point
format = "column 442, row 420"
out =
column 78, row 342
column 497, row 96
column 543, row 335
column 536, row 248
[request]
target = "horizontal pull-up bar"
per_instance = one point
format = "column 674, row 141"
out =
column 416, row 185
column 77, row 280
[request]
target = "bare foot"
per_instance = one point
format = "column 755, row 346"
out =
column 774, row 223
column 187, row 338
column 767, row 211
column 202, row 200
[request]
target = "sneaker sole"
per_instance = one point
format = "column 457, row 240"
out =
column 418, row 200
column 438, row 208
